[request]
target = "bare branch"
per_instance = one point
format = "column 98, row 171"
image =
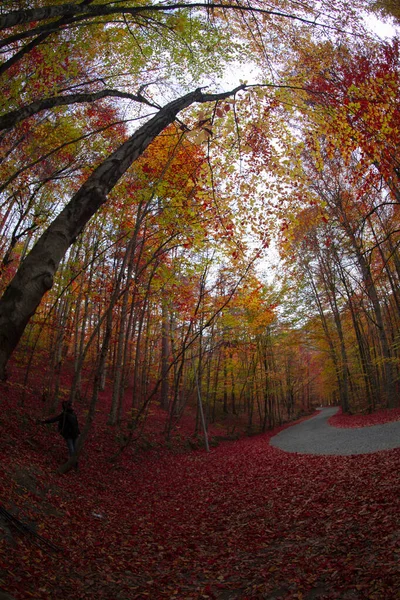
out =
column 16, row 116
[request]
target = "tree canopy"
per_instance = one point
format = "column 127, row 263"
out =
column 152, row 154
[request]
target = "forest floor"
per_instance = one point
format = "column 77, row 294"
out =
column 244, row 521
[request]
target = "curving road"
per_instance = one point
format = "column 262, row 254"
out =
column 315, row 436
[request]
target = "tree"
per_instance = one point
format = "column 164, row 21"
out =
column 87, row 47
column 36, row 273
column 387, row 8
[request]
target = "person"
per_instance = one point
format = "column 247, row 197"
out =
column 67, row 426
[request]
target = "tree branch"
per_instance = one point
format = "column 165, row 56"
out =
column 79, row 12
column 16, row 116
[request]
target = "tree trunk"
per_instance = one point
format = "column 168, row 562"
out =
column 118, row 392
column 164, row 400
column 36, row 273
column 328, row 279
column 328, row 337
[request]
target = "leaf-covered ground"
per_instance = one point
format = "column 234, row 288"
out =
column 244, row 521
column 367, row 420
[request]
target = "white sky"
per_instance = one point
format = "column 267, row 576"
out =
column 384, row 29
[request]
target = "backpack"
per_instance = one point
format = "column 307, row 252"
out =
column 69, row 426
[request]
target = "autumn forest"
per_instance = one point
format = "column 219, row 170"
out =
column 199, row 230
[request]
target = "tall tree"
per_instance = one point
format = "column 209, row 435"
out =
column 72, row 53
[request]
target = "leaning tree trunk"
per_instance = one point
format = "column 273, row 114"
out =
column 36, row 273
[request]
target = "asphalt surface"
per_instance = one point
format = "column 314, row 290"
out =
column 316, row 436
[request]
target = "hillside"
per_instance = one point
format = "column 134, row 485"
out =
column 244, row 521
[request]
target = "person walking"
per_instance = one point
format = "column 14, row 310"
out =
column 67, row 426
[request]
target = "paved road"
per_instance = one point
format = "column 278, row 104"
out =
column 315, row 436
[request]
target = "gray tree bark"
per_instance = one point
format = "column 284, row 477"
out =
column 12, row 118
column 36, row 273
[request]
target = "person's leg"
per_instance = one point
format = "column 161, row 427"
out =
column 74, row 445
column 70, row 446
column 71, row 450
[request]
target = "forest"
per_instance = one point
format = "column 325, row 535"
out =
column 199, row 238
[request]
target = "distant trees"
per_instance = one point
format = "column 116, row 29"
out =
column 348, row 221
column 60, row 81
column 132, row 218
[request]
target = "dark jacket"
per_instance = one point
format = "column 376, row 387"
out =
column 67, row 424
